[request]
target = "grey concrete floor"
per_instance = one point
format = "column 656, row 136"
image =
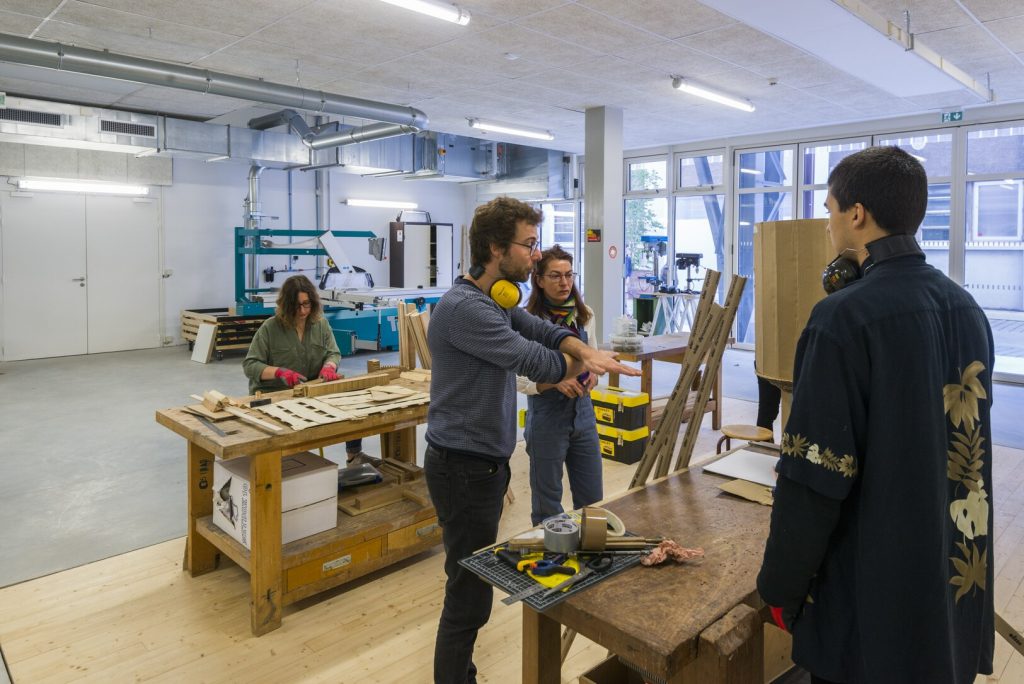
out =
column 86, row 472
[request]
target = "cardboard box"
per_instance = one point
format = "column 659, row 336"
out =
column 309, row 496
column 620, row 408
column 789, row 257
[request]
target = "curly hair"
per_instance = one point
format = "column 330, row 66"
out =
column 288, row 300
column 535, row 304
column 494, row 223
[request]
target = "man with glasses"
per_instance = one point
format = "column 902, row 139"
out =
column 477, row 347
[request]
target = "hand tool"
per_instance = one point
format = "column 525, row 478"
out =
column 543, row 568
column 592, row 567
column 525, row 593
column 511, row 558
column 210, row 424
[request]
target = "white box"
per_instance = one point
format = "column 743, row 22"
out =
column 309, row 496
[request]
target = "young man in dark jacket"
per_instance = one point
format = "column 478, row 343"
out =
column 879, row 558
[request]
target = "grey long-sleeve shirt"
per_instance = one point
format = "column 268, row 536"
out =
column 477, row 348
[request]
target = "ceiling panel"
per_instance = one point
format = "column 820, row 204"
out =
column 741, row 46
column 667, row 18
column 987, row 10
column 581, row 26
column 572, row 54
column 18, row 24
column 34, row 8
column 225, row 16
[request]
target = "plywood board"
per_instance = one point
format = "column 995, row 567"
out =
column 202, row 348
column 746, row 465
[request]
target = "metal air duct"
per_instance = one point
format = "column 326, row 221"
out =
column 329, row 138
column 62, row 57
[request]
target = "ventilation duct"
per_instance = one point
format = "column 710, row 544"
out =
column 325, row 139
column 33, row 122
column 39, row 53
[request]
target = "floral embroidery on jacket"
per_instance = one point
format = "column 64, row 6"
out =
column 799, row 447
column 965, row 461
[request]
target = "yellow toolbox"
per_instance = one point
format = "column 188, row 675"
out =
column 624, row 446
column 622, row 409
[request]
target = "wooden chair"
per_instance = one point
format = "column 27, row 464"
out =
column 750, row 433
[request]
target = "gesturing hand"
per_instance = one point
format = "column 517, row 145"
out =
column 289, row 377
column 599, row 362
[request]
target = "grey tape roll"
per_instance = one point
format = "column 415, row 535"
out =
column 561, row 535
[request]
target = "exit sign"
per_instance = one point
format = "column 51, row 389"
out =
column 952, row 116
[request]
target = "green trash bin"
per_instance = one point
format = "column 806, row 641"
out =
column 643, row 311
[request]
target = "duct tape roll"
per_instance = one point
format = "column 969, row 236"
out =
column 561, row 535
column 594, row 530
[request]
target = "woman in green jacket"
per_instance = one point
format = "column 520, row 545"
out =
column 295, row 344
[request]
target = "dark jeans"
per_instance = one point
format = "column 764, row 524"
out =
column 561, row 435
column 768, row 398
column 819, row 680
column 468, row 493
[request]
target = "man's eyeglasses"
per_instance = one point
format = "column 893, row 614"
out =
column 554, row 276
column 532, row 246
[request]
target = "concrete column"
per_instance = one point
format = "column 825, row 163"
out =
column 602, row 212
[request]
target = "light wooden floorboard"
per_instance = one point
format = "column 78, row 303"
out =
column 138, row 618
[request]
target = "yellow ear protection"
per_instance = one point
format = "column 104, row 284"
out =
column 842, row 271
column 506, row 293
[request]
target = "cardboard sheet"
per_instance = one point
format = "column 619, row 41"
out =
column 744, row 464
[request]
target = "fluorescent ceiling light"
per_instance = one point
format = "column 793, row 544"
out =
column 97, row 187
column 387, row 204
column 687, row 87
column 852, row 37
column 511, row 129
column 434, row 8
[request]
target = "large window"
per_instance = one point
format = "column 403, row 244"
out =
column 994, row 250
column 646, row 260
column 647, row 174
column 766, row 188
column 816, row 163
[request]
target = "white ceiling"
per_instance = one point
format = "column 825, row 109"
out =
column 571, row 55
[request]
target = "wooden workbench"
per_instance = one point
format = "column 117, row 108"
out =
column 696, row 622
column 280, row 575
column 669, row 348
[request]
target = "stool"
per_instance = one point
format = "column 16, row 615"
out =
column 751, row 433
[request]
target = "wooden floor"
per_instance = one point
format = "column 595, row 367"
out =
column 137, row 617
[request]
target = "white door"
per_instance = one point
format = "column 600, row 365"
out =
column 124, row 273
column 417, row 256
column 44, row 275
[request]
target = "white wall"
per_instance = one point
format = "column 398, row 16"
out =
column 204, row 204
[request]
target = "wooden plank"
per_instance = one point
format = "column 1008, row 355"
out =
column 265, row 579
column 252, row 420
column 200, row 554
column 420, row 338
column 320, row 389
column 542, row 663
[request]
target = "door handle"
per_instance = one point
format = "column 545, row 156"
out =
column 78, row 280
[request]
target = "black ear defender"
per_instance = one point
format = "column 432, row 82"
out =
column 842, row 271
column 506, row 293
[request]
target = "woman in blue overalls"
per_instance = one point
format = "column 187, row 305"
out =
column 561, row 429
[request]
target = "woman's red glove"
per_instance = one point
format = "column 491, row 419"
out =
column 289, row 377
column 329, row 373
